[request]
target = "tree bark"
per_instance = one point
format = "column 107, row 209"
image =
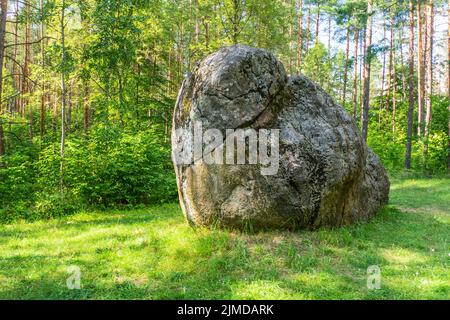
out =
column 44, row 93
column 393, row 70
column 308, row 27
column 383, row 74
column 411, row 87
column 394, row 87
column 63, row 97
column 16, row 74
column 402, row 67
column 86, row 109
column 429, row 77
column 317, row 24
column 347, row 49
column 290, row 32
column 448, row 81
column 329, row 52
column 362, row 54
column 69, row 106
column 26, row 70
column 355, row 73
column 3, row 16
column 420, row 70
column 85, row 82
column 299, row 34
column 197, row 22
column 391, row 63
column 368, row 49
column 448, row 53
column 206, row 25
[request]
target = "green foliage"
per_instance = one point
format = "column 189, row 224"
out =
column 111, row 168
column 53, row 205
column 317, row 64
column 390, row 146
column 17, row 177
column 122, row 168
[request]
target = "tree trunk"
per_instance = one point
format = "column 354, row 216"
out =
column 420, row 70
column 448, row 81
column 299, row 35
column 290, row 32
column 448, row 54
column 402, row 67
column 317, row 24
column 197, row 22
column 366, row 97
column 206, row 26
column 26, row 69
column 391, row 61
column 361, row 74
column 63, row 97
column 85, row 83
column 308, row 28
column 394, row 87
column 69, row 107
column 86, row 109
column 43, row 95
column 411, row 86
column 429, row 77
column 347, row 49
column 393, row 71
column 383, row 74
column 355, row 73
column 329, row 51
column 4, row 8
column 16, row 76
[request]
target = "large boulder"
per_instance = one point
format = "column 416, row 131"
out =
column 325, row 175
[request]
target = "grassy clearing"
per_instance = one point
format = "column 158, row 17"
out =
column 153, row 254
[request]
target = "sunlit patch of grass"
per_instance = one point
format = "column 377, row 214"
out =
column 152, row 253
column 426, row 195
column 260, row 289
column 403, row 257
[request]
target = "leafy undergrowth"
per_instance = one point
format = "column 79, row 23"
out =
column 153, row 254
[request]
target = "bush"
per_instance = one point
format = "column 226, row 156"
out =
column 17, row 178
column 54, row 205
column 111, row 168
column 128, row 169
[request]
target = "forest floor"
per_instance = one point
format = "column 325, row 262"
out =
column 153, row 254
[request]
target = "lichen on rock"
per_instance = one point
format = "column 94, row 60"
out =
column 327, row 175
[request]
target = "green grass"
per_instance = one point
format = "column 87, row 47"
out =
column 153, row 254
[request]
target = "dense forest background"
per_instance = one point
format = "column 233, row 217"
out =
column 87, row 87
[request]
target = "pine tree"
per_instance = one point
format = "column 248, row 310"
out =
column 367, row 62
column 411, row 86
column 429, row 77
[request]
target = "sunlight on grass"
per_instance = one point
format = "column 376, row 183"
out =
column 261, row 289
column 153, row 254
column 403, row 257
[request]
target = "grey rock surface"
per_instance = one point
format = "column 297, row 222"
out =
column 327, row 175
